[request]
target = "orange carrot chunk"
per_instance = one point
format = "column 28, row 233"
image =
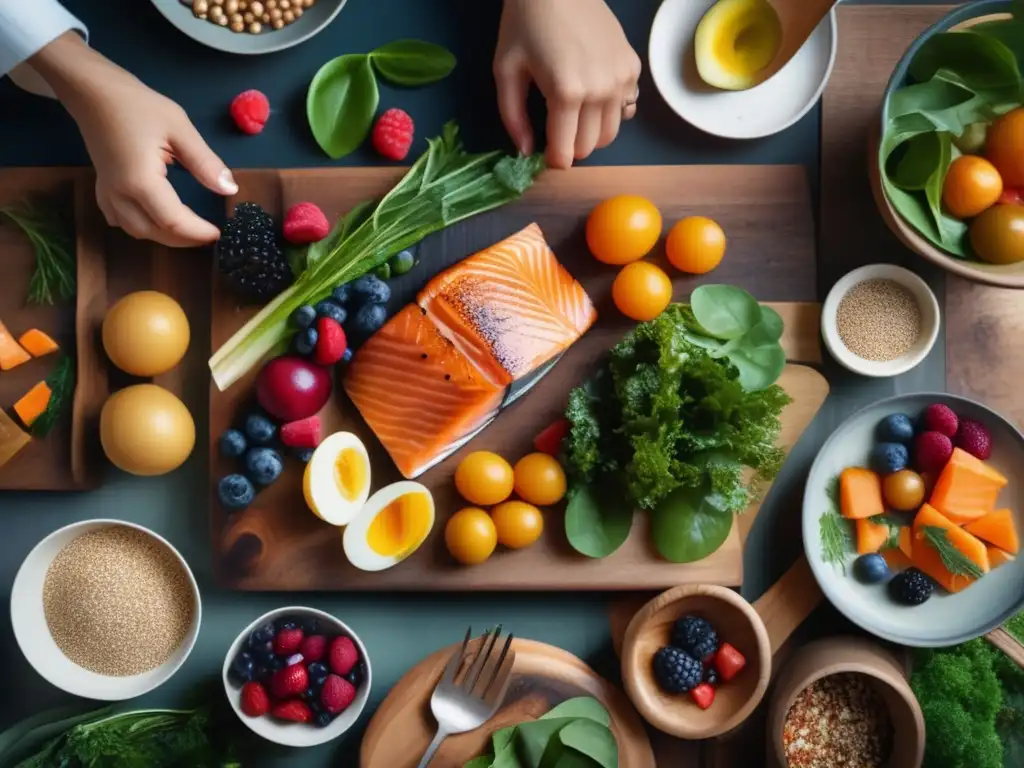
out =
column 11, row 353
column 860, row 493
column 997, row 528
column 926, row 557
column 896, row 559
column 37, row 343
column 997, row 557
column 12, row 438
column 33, row 403
column 871, row 535
column 906, row 537
column 967, row 489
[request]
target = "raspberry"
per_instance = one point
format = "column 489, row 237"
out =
column 250, row 110
column 331, row 342
column 343, row 655
column 703, row 695
column 295, row 710
column 255, row 701
column 313, row 648
column 287, row 641
column 305, row 223
column 940, row 418
column 728, row 662
column 931, row 451
column 289, row 682
column 974, row 438
column 304, row 433
column 337, row 694
column 393, row 134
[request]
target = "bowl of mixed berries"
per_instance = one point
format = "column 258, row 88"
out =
column 297, row 677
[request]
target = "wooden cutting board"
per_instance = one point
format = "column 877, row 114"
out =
column 276, row 545
column 542, row 677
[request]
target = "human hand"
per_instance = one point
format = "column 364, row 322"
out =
column 578, row 56
column 132, row 134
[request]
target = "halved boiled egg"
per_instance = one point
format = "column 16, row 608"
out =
column 391, row 526
column 337, row 479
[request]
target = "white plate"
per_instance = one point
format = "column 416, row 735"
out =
column 769, row 108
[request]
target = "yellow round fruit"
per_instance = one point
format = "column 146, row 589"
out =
column 484, row 478
column 997, row 235
column 518, row 524
column 145, row 430
column 539, row 479
column 695, row 244
column 972, row 185
column 641, row 291
column 471, row 536
column 146, row 333
column 623, row 229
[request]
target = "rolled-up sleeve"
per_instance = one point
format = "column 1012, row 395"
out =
column 27, row 26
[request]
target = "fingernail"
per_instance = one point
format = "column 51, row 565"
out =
column 227, row 183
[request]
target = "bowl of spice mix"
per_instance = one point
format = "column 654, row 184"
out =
column 845, row 701
column 105, row 609
column 880, row 320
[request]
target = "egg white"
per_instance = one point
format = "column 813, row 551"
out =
column 355, row 538
column 323, row 496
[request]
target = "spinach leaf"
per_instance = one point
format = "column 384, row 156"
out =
column 690, row 524
column 484, row 761
column 724, row 311
column 581, row 706
column 772, row 322
column 597, row 524
column 759, row 357
column 918, row 163
column 532, row 738
column 560, row 756
column 412, row 62
column 593, row 740
column 341, row 103
column 980, row 60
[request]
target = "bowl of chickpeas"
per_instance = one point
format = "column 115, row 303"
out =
column 250, row 26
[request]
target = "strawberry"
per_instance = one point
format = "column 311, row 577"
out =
column 940, row 418
column 974, row 438
column 330, row 342
column 287, row 641
column 254, row 701
column 250, row 110
column 703, row 695
column 304, row 433
column 295, row 710
column 337, row 694
column 931, row 451
column 305, row 223
column 289, row 681
column 314, row 648
column 728, row 661
column 549, row 441
column 393, row 134
column 343, row 655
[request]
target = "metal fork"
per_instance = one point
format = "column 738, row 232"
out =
column 472, row 701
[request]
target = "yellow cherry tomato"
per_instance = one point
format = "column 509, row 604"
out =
column 484, row 478
column 641, row 291
column 519, row 524
column 623, row 229
column 695, row 244
column 470, row 536
column 539, row 479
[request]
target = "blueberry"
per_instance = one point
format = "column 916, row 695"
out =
column 264, row 465
column 323, row 719
column 236, row 492
column 328, row 308
column 286, row 623
column 357, row 674
column 304, row 342
column 243, row 667
column 260, row 672
column 232, row 444
column 370, row 289
column 347, row 357
column 259, row 429
column 309, row 694
column 263, row 654
column 887, row 458
column 317, row 706
column 318, row 672
column 304, row 454
column 303, row 317
column 309, row 625
column 871, row 568
column 264, row 633
column 275, row 663
column 383, row 271
column 896, row 428
column 369, row 319
column 402, row 262
column 342, row 294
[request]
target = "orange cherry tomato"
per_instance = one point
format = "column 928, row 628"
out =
column 623, row 229
column 641, row 291
column 972, row 185
column 1004, row 147
column 519, row 524
column 470, row 536
column 539, row 479
column 484, row 478
column 696, row 245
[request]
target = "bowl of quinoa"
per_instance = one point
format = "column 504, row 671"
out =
column 105, row 609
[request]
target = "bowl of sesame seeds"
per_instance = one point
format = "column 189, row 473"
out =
column 105, row 609
column 880, row 320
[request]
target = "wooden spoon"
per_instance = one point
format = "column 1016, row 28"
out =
column 799, row 18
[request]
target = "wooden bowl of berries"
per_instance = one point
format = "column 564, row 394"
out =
column 297, row 677
column 696, row 661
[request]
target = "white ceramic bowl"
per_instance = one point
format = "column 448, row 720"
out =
column 768, row 108
column 929, row 321
column 38, row 646
column 298, row 734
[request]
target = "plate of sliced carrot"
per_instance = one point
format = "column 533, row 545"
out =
column 911, row 519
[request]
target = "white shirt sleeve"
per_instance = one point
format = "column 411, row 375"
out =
column 26, row 26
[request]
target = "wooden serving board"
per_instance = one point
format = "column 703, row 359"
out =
column 765, row 212
column 542, row 677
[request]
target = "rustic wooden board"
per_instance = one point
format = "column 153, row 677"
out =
column 542, row 677
column 275, row 545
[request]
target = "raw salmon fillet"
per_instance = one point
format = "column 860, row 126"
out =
column 510, row 308
column 417, row 392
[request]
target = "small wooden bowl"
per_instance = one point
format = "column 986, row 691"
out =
column 834, row 655
column 736, row 622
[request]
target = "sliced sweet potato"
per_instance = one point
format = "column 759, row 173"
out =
column 11, row 353
column 860, row 493
column 32, row 404
column 967, row 488
column 997, row 528
column 37, row 343
column 12, row 438
column 896, row 558
column 997, row 557
column 871, row 535
column 926, row 557
column 906, row 541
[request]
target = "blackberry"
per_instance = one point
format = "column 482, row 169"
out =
column 676, row 671
column 249, row 254
column 911, row 587
column 696, row 636
column 711, row 675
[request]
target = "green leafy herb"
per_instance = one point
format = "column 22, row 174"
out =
column 690, row 524
column 341, row 102
column 413, row 62
column 955, row 561
column 53, row 279
column 836, row 538
column 61, row 382
column 444, row 186
column 597, row 523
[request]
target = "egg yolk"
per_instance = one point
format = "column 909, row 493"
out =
column 350, row 473
column 400, row 526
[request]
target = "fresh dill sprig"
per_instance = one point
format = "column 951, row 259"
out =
column 61, row 382
column 955, row 561
column 53, row 279
column 835, row 530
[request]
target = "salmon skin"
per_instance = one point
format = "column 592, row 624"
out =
column 480, row 335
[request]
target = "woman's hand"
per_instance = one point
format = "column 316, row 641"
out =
column 132, row 134
column 578, row 56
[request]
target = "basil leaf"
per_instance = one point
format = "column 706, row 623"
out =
column 689, row 525
column 725, row 311
column 597, row 524
column 581, row 706
column 759, row 357
column 412, row 62
column 341, row 102
column 593, row 740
